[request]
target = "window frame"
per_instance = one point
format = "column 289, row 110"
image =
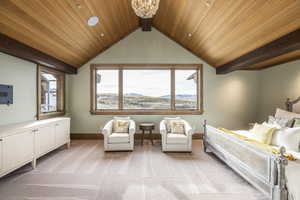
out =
column 60, row 93
column 121, row 67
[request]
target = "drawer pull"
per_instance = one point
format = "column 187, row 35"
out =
column 1, row 140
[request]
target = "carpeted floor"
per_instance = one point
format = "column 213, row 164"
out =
column 85, row 172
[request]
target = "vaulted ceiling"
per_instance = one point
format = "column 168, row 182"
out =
column 218, row 31
column 59, row 27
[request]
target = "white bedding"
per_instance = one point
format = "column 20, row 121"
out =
column 246, row 133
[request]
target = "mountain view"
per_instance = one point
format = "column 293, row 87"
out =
column 139, row 101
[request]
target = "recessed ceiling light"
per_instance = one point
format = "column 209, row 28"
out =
column 102, row 34
column 78, row 5
column 92, row 21
column 190, row 35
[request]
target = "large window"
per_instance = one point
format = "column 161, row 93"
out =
column 150, row 89
column 51, row 86
column 146, row 89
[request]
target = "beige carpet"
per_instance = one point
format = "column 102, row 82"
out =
column 85, row 172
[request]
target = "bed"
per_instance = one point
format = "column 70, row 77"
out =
column 272, row 174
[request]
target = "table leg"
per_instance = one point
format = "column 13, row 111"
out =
column 151, row 137
column 143, row 133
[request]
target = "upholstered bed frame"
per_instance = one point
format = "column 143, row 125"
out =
column 262, row 169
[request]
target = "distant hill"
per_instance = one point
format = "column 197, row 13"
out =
column 180, row 96
column 133, row 94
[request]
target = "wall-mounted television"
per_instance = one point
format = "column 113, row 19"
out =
column 6, row 94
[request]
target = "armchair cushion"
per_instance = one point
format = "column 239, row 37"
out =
column 177, row 138
column 116, row 138
column 121, row 125
column 177, row 127
column 168, row 121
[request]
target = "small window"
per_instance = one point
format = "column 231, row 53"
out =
column 51, row 88
column 186, row 89
column 107, row 89
column 149, row 89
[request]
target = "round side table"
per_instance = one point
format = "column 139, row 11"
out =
column 147, row 127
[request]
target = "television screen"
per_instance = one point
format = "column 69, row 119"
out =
column 6, row 94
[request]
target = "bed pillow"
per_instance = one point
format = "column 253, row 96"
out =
column 262, row 133
column 273, row 125
column 177, row 127
column 286, row 114
column 282, row 122
column 168, row 121
column 296, row 123
column 289, row 138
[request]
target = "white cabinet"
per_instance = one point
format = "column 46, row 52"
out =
column 17, row 149
column 45, row 139
column 25, row 142
column 62, row 132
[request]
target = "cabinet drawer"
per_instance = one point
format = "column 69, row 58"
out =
column 17, row 149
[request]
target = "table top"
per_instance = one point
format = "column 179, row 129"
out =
column 147, row 126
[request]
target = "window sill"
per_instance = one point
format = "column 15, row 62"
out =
column 50, row 115
column 146, row 112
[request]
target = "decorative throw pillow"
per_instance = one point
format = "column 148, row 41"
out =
column 121, row 126
column 273, row 125
column 262, row 133
column 168, row 121
column 286, row 114
column 177, row 127
column 283, row 122
column 296, row 123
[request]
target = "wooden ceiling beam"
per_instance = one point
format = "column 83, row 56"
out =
column 281, row 46
column 145, row 23
column 15, row 48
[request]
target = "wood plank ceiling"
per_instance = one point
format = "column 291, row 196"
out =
column 218, row 31
column 221, row 31
column 59, row 27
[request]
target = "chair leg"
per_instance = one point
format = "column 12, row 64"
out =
column 151, row 136
column 143, row 133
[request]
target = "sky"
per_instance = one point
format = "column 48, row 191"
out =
column 147, row 82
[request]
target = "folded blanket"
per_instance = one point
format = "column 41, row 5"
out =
column 269, row 148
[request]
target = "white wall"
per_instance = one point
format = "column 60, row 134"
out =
column 277, row 84
column 229, row 100
column 22, row 75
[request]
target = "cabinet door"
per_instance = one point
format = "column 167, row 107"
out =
column 62, row 132
column 45, row 139
column 17, row 149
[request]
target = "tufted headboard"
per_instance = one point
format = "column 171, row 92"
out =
column 293, row 106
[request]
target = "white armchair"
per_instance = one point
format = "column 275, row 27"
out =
column 118, row 141
column 176, row 142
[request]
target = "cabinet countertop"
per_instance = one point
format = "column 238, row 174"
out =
column 9, row 129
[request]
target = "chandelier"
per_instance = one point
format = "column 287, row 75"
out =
column 145, row 8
